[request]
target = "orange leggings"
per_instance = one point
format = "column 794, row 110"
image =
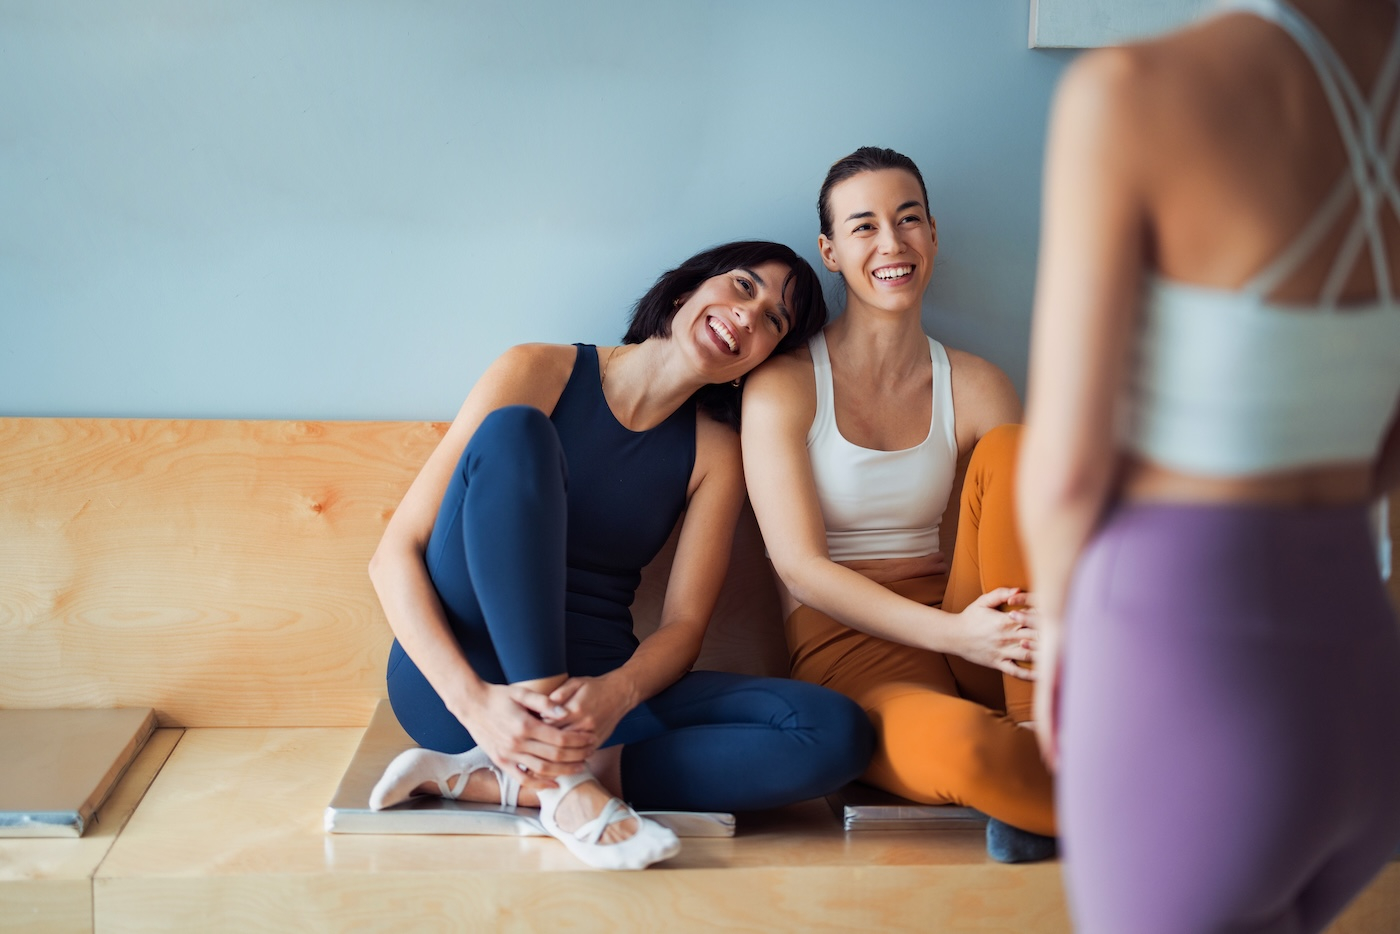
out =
column 946, row 727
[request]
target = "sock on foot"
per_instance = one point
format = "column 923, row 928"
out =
column 1007, row 844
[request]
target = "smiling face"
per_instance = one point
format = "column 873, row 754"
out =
column 735, row 319
column 883, row 240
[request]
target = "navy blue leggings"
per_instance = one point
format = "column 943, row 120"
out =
column 497, row 557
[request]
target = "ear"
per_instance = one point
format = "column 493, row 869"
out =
column 828, row 252
column 933, row 229
column 681, row 299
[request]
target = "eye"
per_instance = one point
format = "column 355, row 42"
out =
column 863, row 227
column 744, row 284
column 911, row 218
column 777, row 322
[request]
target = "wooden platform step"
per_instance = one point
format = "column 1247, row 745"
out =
column 229, row 837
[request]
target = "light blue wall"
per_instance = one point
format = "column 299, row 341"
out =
column 249, row 208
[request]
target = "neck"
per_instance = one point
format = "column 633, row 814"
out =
column 875, row 341
column 647, row 382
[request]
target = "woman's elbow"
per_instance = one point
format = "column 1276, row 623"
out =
column 798, row 577
column 388, row 556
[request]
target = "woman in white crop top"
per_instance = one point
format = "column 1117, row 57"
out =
column 1215, row 379
column 854, row 453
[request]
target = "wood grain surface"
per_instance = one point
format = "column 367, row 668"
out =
column 213, row 570
column 216, row 570
column 229, row 839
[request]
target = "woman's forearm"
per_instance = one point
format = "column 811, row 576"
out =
column 1057, row 518
column 659, row 662
column 415, row 615
column 854, row 600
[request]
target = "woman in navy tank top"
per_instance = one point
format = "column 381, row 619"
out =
column 508, row 569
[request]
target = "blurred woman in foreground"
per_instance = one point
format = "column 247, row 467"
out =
column 1215, row 369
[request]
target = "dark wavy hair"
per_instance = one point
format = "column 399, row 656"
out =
column 654, row 311
column 864, row 159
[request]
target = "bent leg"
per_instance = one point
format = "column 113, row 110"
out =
column 987, row 553
column 496, row 559
column 932, row 743
column 716, row 741
column 939, row 748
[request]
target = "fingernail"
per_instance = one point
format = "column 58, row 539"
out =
column 560, row 711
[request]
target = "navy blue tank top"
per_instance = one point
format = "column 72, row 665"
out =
column 626, row 491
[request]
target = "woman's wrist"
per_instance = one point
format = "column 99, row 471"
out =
column 946, row 634
column 625, row 686
column 467, row 697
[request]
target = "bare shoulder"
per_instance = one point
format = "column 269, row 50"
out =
column 542, row 358
column 983, row 396
column 780, row 397
column 1103, row 92
column 1151, row 90
column 526, row 374
column 978, row 375
column 786, row 378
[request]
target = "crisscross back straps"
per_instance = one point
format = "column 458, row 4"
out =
column 1368, row 160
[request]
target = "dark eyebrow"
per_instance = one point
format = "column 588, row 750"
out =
column 782, row 309
column 906, row 205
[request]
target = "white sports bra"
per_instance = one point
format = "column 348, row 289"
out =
column 1229, row 383
column 882, row 504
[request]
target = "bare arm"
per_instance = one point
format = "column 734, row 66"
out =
column 779, row 403
column 983, row 398
column 1092, row 247
column 697, row 574
column 497, row 717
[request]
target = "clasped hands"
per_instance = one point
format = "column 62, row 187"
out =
column 537, row 736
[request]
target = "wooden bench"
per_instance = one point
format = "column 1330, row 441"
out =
column 215, row 571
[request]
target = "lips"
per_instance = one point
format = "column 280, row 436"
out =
column 894, row 275
column 723, row 336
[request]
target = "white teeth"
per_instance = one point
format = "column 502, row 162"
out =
column 893, row 272
column 718, row 327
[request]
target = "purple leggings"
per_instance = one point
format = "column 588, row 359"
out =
column 1230, row 718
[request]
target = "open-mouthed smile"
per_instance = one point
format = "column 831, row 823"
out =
column 894, row 275
column 724, row 336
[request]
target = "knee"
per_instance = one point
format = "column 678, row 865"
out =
column 847, row 737
column 517, row 425
column 997, row 449
column 521, row 432
column 949, row 747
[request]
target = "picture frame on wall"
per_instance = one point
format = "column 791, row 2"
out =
column 1086, row 24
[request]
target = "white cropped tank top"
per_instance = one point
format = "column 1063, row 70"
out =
column 882, row 504
column 1230, row 383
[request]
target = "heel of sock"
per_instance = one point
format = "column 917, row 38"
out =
column 1008, row 844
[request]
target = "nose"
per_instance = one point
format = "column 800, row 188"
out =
column 887, row 241
column 744, row 315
